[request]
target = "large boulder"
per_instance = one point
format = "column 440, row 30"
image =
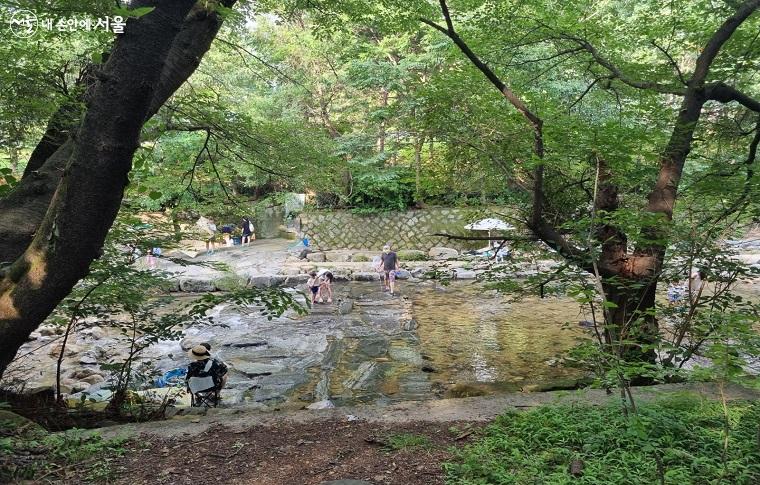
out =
column 366, row 276
column 316, row 257
column 364, row 256
column 69, row 350
column 94, row 379
column 345, row 306
column 48, row 331
column 297, row 280
column 260, row 281
column 465, row 274
column 277, row 280
column 95, row 332
column 441, row 253
column 403, row 274
column 192, row 285
column 84, row 373
column 338, row 256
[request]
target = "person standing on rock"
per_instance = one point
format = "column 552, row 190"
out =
column 208, row 226
column 248, row 231
column 390, row 265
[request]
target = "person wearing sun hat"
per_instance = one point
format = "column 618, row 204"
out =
column 205, row 372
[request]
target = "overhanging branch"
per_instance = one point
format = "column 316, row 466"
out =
column 724, row 93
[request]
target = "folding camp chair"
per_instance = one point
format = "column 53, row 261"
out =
column 203, row 390
column 209, row 398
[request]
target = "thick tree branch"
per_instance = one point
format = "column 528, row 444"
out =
column 661, row 200
column 617, row 73
column 89, row 195
column 724, row 93
column 23, row 209
column 720, row 37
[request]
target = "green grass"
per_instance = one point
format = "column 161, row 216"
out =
column 30, row 453
column 406, row 441
column 678, row 441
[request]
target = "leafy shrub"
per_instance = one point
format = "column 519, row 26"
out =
column 677, row 441
column 381, row 191
column 412, row 255
column 28, row 453
column 359, row 258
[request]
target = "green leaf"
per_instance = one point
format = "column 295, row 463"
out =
column 133, row 13
column 155, row 195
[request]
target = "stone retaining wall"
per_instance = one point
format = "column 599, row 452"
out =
column 342, row 229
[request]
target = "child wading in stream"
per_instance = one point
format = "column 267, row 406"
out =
column 313, row 284
column 325, row 286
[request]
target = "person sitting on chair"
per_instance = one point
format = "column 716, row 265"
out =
column 205, row 375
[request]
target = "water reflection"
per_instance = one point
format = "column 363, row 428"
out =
column 478, row 337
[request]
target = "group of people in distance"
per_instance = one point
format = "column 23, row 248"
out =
column 248, row 233
column 207, row 375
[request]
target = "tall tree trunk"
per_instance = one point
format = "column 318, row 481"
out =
column 21, row 212
column 89, row 195
column 13, row 155
column 381, row 136
column 629, row 317
column 418, row 142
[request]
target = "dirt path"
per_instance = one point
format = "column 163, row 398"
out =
column 297, row 454
column 403, row 444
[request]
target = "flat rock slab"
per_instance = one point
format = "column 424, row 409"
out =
column 483, row 408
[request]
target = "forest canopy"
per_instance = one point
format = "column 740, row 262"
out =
column 612, row 128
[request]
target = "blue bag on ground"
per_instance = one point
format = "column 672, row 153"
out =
column 172, row 377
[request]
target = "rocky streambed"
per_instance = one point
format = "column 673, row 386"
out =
column 367, row 347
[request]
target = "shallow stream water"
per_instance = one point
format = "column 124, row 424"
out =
column 426, row 343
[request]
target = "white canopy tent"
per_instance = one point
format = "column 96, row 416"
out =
column 490, row 224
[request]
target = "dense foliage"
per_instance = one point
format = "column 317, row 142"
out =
column 679, row 440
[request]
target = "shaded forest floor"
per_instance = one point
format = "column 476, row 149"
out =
column 296, row 453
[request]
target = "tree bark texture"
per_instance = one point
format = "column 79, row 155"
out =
column 628, row 280
column 22, row 211
column 89, row 194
